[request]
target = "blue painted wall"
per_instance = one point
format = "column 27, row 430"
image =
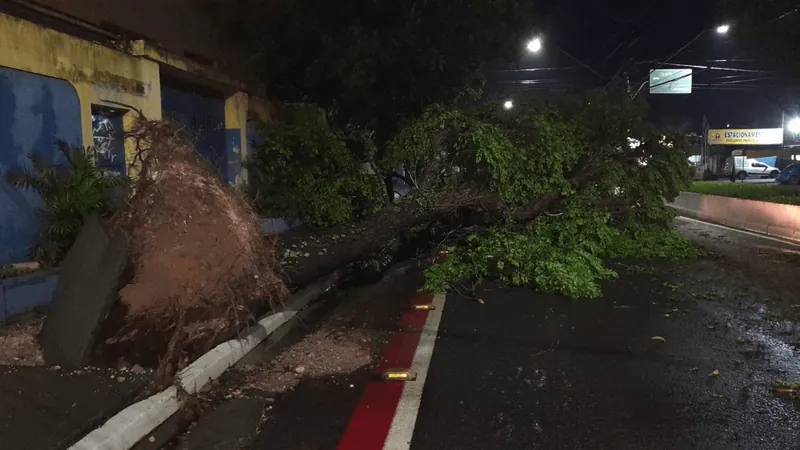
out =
column 203, row 119
column 35, row 111
column 25, row 293
column 233, row 155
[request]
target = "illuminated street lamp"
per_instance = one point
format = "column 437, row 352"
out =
column 534, row 45
column 723, row 29
column 508, row 104
column 794, row 125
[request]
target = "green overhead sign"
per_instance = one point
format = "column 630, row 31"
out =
column 671, row 81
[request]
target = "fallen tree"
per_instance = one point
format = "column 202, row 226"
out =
column 547, row 192
column 554, row 185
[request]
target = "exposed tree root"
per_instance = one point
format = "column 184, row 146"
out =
column 200, row 262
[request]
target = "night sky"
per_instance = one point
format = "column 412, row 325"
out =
column 624, row 37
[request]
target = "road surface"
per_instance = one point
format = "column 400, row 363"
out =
column 674, row 356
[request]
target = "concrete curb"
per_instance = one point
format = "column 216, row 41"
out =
column 133, row 423
column 771, row 219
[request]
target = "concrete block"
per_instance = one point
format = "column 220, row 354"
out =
column 91, row 276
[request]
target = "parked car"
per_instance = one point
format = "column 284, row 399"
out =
column 400, row 187
column 790, row 175
column 747, row 167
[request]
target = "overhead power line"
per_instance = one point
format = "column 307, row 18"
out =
column 698, row 66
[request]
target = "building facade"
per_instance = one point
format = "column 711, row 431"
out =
column 77, row 78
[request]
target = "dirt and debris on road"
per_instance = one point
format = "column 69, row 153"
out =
column 350, row 338
column 331, row 350
column 19, row 344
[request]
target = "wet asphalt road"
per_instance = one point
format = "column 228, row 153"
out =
column 526, row 370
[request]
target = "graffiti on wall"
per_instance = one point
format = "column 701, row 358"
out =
column 108, row 139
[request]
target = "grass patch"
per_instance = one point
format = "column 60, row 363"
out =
column 789, row 195
column 8, row 271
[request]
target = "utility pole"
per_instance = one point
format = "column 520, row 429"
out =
column 704, row 149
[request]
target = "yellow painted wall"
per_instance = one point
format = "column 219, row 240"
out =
column 107, row 77
column 100, row 75
column 236, row 108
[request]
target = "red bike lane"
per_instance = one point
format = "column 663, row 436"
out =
column 387, row 413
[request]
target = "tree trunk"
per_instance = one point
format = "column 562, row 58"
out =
column 309, row 254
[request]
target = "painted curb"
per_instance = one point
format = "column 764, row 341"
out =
column 770, row 219
column 132, row 424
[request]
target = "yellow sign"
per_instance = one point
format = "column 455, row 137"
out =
column 760, row 136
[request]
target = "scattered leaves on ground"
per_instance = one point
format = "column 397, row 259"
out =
column 772, row 317
column 712, row 297
column 786, row 389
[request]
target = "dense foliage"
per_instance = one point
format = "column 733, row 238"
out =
column 605, row 171
column 554, row 254
column 71, row 191
column 562, row 187
column 304, row 170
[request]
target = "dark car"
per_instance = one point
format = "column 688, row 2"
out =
column 790, row 175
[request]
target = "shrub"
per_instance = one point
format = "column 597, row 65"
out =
column 71, row 191
column 304, row 170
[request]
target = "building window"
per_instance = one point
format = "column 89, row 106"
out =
column 108, row 138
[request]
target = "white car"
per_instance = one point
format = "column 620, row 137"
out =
column 747, row 167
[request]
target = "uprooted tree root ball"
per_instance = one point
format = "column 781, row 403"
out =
column 200, row 263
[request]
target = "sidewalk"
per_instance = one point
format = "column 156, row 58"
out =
column 47, row 408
